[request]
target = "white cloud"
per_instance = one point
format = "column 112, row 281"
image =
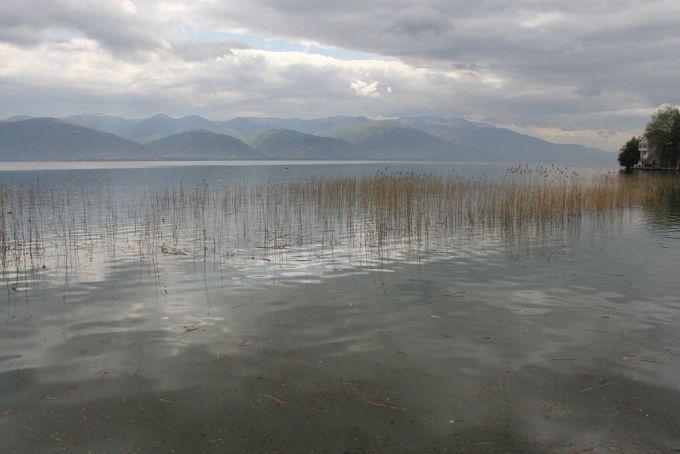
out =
column 370, row 89
column 259, row 81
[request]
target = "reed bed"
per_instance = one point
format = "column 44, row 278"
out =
column 40, row 225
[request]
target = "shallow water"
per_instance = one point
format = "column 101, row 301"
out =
column 559, row 343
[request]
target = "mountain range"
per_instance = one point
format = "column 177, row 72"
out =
column 104, row 137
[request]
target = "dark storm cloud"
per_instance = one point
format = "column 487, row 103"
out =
column 111, row 24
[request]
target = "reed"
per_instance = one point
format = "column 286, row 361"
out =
column 366, row 213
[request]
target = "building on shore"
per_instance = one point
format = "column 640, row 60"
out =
column 649, row 156
column 643, row 148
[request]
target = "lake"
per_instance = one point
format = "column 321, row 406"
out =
column 337, row 307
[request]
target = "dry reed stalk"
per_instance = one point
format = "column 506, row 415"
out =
column 363, row 212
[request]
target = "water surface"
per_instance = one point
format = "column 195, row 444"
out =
column 565, row 341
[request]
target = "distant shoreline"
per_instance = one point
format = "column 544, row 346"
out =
column 140, row 164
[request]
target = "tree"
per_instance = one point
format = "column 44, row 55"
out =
column 630, row 153
column 663, row 135
column 674, row 140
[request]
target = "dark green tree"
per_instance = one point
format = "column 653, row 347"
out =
column 630, row 154
column 674, row 140
column 663, row 135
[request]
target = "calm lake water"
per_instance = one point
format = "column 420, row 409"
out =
column 565, row 341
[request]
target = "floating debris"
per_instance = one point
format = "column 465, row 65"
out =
column 386, row 405
column 189, row 328
column 172, row 250
column 275, row 399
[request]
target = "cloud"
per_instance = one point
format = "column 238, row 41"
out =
column 192, row 50
column 243, row 81
column 592, row 70
column 370, row 89
column 603, row 139
column 115, row 25
column 126, row 29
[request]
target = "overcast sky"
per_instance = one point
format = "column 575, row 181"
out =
column 582, row 71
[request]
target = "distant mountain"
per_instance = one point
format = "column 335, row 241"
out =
column 288, row 144
column 149, row 129
column 254, row 126
column 49, row 139
column 392, row 140
column 504, row 143
column 18, row 118
column 103, row 123
column 202, row 145
column 160, row 126
column 339, row 137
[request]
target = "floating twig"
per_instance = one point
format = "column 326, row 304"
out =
column 386, row 405
column 596, row 387
column 275, row 399
column 654, row 362
column 189, row 328
column 454, row 295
